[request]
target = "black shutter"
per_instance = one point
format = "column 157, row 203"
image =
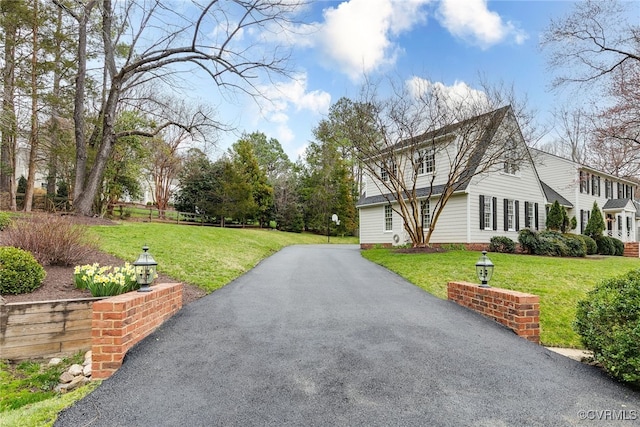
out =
column 495, row 213
column 536, row 213
column 506, row 214
column 526, row 215
column 582, row 225
column 517, row 214
column 481, row 212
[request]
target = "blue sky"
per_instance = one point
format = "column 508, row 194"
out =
column 447, row 41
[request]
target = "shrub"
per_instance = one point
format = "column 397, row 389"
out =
column 105, row 281
column 5, row 220
column 551, row 243
column 619, row 245
column 528, row 240
column 575, row 245
column 502, row 244
column 53, row 240
column 606, row 246
column 595, row 225
column 20, row 273
column 555, row 217
column 608, row 322
column 592, row 246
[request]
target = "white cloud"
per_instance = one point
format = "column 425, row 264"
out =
column 457, row 97
column 356, row 35
column 471, row 20
column 282, row 100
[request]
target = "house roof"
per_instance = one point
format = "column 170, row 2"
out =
column 383, row 199
column 495, row 119
column 616, row 204
column 552, row 195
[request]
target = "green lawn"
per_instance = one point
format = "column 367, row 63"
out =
column 208, row 257
column 560, row 282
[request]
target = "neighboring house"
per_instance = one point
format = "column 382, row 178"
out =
column 504, row 200
column 495, row 203
column 576, row 187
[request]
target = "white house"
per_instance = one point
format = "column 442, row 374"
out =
column 578, row 187
column 500, row 201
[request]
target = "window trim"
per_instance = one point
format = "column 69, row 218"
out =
column 388, row 219
column 425, row 224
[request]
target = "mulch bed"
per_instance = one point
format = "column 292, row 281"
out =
column 58, row 284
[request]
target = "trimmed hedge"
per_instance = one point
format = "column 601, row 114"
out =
column 502, row 244
column 610, row 246
column 592, row 246
column 608, row 322
column 20, row 273
column 551, row 243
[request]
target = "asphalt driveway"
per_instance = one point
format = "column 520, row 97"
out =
column 319, row 336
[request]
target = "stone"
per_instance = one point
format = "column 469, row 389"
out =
column 75, row 370
column 86, row 371
column 87, row 358
column 55, row 361
column 66, row 377
column 63, row 388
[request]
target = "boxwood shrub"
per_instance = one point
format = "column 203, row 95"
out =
column 608, row 322
column 551, row 243
column 575, row 244
column 592, row 246
column 609, row 246
column 20, row 273
column 502, row 244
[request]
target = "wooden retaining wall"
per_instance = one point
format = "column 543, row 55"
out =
column 43, row 329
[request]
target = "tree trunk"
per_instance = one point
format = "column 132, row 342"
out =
column 78, row 112
column 9, row 125
column 33, row 152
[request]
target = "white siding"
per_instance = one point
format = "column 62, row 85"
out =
column 372, row 226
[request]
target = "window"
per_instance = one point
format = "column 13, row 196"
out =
column 388, row 218
column 595, row 185
column 426, row 214
column 584, row 219
column 627, row 191
column 384, row 171
column 509, row 215
column 425, row 161
column 620, row 190
column 488, row 213
column 584, row 182
column 511, row 158
column 530, row 215
column 608, row 189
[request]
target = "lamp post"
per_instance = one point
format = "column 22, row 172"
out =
column 145, row 268
column 484, row 270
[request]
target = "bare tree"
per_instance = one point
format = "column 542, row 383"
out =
column 413, row 131
column 593, row 41
column 189, row 126
column 574, row 130
column 145, row 41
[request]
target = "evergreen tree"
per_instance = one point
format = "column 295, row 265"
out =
column 595, row 225
column 555, row 218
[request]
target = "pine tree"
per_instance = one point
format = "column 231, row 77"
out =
column 555, row 218
column 595, row 225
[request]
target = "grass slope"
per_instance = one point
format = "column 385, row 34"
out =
column 209, row 257
column 560, row 282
